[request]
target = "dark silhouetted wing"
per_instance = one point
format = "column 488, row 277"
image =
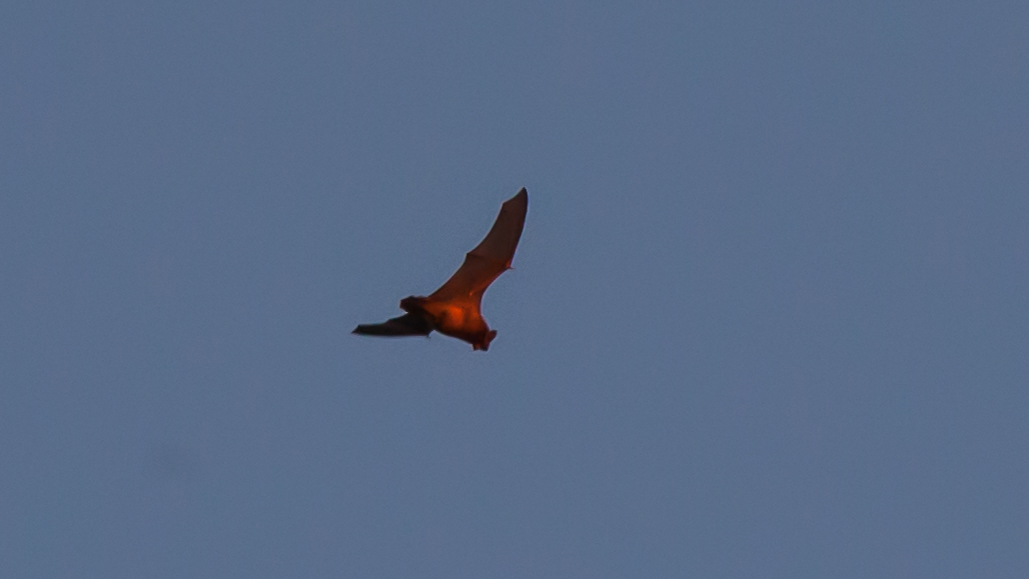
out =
column 405, row 325
column 490, row 258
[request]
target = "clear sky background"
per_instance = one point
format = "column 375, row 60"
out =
column 769, row 316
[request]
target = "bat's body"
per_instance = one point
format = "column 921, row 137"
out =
column 455, row 308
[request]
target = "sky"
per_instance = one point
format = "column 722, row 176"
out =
column 768, row 318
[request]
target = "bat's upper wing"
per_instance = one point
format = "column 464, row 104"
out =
column 405, row 325
column 491, row 257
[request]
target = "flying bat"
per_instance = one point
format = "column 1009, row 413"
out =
column 455, row 308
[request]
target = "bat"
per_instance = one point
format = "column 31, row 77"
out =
column 455, row 309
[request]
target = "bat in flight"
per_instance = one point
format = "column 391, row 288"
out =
column 455, row 308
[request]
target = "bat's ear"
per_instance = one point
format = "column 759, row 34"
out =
column 411, row 304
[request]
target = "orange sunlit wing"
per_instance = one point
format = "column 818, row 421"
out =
column 490, row 258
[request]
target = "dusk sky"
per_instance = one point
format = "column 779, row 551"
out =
column 769, row 316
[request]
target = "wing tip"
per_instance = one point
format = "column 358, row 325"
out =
column 520, row 200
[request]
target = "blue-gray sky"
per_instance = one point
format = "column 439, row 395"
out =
column 769, row 316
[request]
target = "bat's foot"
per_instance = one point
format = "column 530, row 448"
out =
column 483, row 343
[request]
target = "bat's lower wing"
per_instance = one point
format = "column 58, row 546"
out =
column 491, row 257
column 406, row 325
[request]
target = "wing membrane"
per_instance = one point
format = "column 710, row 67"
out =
column 491, row 257
column 406, row 325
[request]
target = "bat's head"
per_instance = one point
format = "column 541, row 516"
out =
column 483, row 342
column 412, row 304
